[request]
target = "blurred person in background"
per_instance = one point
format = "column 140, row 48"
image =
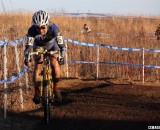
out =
column 85, row 29
column 157, row 33
column 44, row 34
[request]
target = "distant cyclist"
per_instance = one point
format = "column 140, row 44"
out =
column 85, row 29
column 157, row 33
column 44, row 34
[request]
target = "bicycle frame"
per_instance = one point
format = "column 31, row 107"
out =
column 46, row 91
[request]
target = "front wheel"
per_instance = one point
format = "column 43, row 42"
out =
column 46, row 98
column 46, row 107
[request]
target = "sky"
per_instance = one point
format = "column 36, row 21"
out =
column 115, row 7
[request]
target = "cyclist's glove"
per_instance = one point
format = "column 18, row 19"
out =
column 61, row 58
column 27, row 60
column 61, row 61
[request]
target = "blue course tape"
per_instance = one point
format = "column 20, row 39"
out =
column 152, row 50
column 3, row 42
column 18, row 41
column 120, row 48
column 80, row 43
column 14, row 77
column 116, row 63
column 110, row 47
column 103, row 45
column 12, row 43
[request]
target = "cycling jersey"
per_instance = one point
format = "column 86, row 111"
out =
column 49, row 40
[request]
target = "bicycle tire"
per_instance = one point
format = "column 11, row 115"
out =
column 46, row 109
column 46, row 100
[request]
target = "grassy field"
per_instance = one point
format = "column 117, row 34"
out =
column 129, row 32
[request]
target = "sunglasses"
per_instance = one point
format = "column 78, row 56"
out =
column 41, row 28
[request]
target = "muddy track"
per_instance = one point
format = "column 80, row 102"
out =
column 93, row 106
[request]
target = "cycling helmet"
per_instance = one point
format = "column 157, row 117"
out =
column 40, row 18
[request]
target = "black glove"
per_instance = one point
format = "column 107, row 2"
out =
column 61, row 61
column 26, row 62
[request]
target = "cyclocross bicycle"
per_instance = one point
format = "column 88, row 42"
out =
column 46, row 91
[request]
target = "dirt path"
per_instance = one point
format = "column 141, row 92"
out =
column 91, row 105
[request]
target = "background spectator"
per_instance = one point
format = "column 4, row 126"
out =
column 85, row 29
column 157, row 33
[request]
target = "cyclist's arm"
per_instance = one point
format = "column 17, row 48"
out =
column 29, row 43
column 61, row 43
column 59, row 38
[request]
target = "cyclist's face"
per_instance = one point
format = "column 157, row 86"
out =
column 42, row 30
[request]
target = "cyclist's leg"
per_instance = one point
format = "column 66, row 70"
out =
column 55, row 70
column 37, row 78
column 56, row 75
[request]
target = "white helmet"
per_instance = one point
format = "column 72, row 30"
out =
column 40, row 18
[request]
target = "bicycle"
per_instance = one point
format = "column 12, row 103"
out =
column 46, row 91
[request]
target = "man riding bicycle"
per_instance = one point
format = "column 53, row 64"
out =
column 43, row 34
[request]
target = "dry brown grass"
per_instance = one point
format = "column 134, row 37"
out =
column 129, row 33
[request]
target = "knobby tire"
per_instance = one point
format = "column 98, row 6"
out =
column 46, row 103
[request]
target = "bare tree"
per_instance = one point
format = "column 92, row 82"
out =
column 3, row 6
column 11, row 4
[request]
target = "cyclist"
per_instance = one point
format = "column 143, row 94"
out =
column 44, row 34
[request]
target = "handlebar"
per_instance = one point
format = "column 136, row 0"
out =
column 44, row 52
column 60, row 58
